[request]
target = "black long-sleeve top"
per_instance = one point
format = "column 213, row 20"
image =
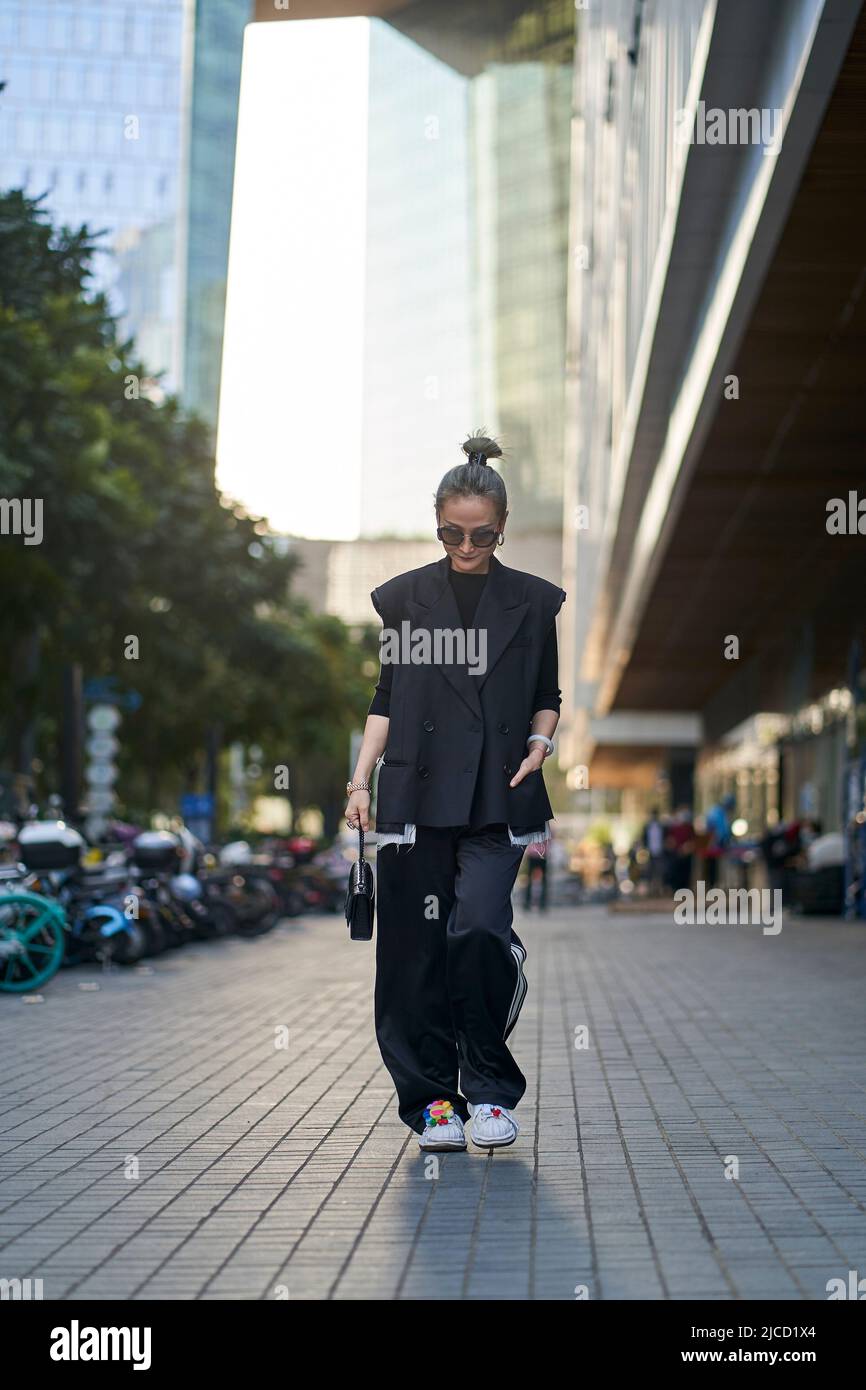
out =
column 467, row 591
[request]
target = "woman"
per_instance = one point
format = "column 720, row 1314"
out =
column 464, row 713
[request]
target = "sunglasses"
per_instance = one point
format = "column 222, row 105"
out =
column 482, row 539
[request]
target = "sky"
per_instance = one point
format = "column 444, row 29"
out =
column 290, row 425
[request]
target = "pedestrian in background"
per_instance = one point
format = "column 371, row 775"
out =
column 653, row 840
column 460, row 795
column 719, row 819
column 536, row 865
column 681, row 836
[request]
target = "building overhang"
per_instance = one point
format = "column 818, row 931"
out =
column 722, row 529
column 629, row 748
column 636, row 767
column 670, row 728
column 461, row 34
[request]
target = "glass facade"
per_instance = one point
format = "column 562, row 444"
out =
column 467, row 249
column 522, row 130
column 419, row 356
column 124, row 113
column 211, row 131
column 91, row 118
column 633, row 73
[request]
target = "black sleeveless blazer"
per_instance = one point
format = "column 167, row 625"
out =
column 449, row 727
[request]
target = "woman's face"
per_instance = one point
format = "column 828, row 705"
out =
column 470, row 514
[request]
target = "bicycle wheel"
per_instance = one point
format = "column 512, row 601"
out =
column 255, row 903
column 32, row 940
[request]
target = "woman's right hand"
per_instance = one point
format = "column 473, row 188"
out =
column 358, row 808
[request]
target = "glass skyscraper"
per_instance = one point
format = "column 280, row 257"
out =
column 91, row 117
column 467, row 247
column 213, row 87
column 521, row 121
column 419, row 350
column 124, row 114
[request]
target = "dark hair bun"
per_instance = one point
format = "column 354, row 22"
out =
column 479, row 448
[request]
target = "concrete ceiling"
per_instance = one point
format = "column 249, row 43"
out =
column 328, row 9
column 462, row 34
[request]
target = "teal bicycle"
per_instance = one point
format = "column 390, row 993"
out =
column 32, row 939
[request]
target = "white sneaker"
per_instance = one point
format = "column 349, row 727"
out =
column 492, row 1127
column 443, row 1128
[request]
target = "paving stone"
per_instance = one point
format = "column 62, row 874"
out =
column 156, row 1143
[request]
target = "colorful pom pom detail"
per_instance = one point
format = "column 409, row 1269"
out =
column 439, row 1112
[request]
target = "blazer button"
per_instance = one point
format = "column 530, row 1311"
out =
column 503, row 728
column 423, row 771
column 429, row 725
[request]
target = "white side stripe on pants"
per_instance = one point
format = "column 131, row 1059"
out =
column 521, row 986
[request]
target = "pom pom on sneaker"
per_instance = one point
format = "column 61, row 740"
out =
column 439, row 1112
column 443, row 1128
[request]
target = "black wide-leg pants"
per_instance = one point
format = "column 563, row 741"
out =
column 449, row 969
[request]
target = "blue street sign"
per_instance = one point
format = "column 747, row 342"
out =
column 103, row 690
column 196, row 805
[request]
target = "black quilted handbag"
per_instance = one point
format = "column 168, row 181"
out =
column 360, row 896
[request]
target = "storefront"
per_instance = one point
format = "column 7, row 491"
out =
column 813, row 752
column 744, row 764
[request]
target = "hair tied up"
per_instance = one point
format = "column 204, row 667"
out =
column 475, row 477
column 479, row 448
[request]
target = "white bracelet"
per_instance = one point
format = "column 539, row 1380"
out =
column 542, row 738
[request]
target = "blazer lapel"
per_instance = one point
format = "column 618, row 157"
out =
column 499, row 613
column 436, row 611
column 498, row 616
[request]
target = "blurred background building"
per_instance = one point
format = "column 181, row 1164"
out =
column 716, row 321
column 211, row 83
column 418, row 360
column 124, row 116
column 338, row 576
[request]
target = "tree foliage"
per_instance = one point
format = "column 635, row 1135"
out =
column 138, row 542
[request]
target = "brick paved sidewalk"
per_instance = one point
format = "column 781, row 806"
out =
column 157, row 1144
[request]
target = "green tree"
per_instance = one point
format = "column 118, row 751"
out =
column 138, row 544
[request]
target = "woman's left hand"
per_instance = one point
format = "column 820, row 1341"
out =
column 531, row 763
